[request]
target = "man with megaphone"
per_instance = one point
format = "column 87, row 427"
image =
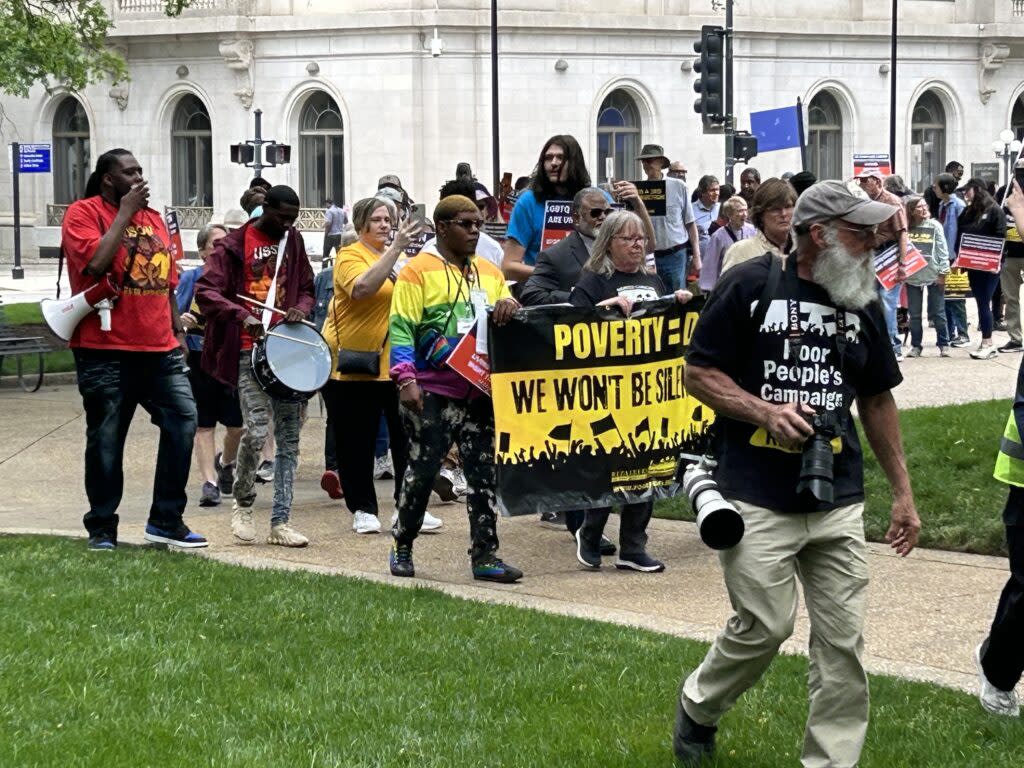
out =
column 117, row 249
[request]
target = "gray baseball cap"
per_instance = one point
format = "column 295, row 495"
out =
column 828, row 200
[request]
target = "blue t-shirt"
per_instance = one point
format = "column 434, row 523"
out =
column 183, row 295
column 526, row 224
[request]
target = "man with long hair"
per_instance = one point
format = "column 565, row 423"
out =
column 560, row 173
column 112, row 236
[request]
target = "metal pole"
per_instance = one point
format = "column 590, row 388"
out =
column 18, row 272
column 730, row 120
column 800, row 130
column 257, row 160
column 892, row 89
column 495, row 151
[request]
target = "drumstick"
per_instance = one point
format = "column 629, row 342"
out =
column 290, row 338
column 251, row 300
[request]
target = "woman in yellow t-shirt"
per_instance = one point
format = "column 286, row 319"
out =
column 361, row 391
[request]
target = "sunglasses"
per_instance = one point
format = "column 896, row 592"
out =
column 468, row 224
column 596, row 213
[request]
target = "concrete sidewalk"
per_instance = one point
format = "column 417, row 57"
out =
column 925, row 613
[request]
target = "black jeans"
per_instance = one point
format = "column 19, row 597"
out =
column 112, row 383
column 354, row 409
column 632, row 527
column 1003, row 657
column 470, row 423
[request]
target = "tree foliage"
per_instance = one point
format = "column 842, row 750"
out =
column 59, row 42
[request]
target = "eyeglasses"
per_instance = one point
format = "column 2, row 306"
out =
column 632, row 240
column 866, row 233
column 468, row 224
column 596, row 213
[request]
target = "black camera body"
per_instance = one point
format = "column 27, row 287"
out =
column 816, row 461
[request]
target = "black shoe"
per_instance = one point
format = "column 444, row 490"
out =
column 210, row 496
column 1012, row 346
column 588, row 556
column 553, row 520
column 607, row 548
column 693, row 743
column 102, row 542
column 491, row 568
column 225, row 475
column 962, row 340
column 641, row 561
column 401, row 560
column 444, row 486
column 999, row 325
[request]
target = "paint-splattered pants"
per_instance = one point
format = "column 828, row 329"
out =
column 470, row 423
column 257, row 409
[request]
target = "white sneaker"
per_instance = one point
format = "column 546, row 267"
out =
column 985, row 353
column 382, row 468
column 241, row 524
column 992, row 699
column 364, row 522
column 283, row 535
column 430, row 523
column 459, row 485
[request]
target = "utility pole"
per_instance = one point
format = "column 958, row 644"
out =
column 495, row 150
column 730, row 118
column 892, row 89
column 250, row 152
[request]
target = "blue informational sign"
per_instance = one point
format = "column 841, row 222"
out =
column 776, row 128
column 34, row 158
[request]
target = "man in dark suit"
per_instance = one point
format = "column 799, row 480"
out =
column 558, row 268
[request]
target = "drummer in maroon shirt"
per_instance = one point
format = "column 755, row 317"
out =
column 244, row 264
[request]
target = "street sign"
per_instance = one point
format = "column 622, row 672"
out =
column 34, row 158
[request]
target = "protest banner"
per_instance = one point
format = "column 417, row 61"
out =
column 865, row 162
column 957, row 285
column 980, row 252
column 470, row 364
column 654, row 196
column 887, row 264
column 557, row 222
column 922, row 238
column 590, row 408
column 174, row 230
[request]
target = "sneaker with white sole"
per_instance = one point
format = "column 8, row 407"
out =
column 382, row 468
column 242, row 527
column 430, row 523
column 176, row 537
column 364, row 522
column 283, row 535
column 992, row 699
column 985, row 353
column 459, row 485
column 265, row 472
column 444, row 485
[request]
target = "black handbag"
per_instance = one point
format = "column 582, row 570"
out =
column 355, row 361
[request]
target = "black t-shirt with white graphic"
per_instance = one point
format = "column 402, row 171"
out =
column 752, row 467
column 593, row 288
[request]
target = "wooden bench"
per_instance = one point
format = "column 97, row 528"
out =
column 15, row 344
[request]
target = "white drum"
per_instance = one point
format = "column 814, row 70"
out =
column 292, row 362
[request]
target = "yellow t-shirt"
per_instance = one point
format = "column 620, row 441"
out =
column 358, row 325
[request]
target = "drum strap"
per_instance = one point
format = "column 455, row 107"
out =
column 272, row 293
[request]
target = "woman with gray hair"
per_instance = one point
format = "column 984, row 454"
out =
column 616, row 275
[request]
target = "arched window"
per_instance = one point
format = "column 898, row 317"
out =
column 321, row 151
column 191, row 154
column 618, row 136
column 71, row 158
column 825, row 137
column 1017, row 118
column 928, row 140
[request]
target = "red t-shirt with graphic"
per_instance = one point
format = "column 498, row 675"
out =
column 143, row 267
column 260, row 263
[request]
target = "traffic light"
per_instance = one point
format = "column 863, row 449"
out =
column 711, row 68
column 242, row 153
column 744, row 146
column 277, row 154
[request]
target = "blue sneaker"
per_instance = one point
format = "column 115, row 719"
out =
column 491, row 568
column 400, row 560
column 102, row 542
column 180, row 537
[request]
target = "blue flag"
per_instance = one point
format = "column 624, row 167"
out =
column 776, row 128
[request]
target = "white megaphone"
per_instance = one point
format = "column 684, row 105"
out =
column 64, row 315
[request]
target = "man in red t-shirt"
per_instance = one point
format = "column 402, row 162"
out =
column 244, row 264
column 113, row 235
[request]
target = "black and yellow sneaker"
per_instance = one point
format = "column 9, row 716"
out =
column 491, row 568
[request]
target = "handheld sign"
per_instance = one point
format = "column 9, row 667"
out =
column 654, row 196
column 887, row 265
column 923, row 239
column 957, row 285
column 470, row 364
column 979, row 252
column 174, row 230
column 879, row 161
column 557, row 222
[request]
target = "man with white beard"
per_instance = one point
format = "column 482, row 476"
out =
column 780, row 354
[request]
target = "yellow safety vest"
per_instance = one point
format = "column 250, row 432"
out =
column 1010, row 461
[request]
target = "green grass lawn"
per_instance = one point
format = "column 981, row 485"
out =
column 58, row 361
column 142, row 657
column 951, row 451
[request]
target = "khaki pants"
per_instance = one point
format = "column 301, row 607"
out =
column 826, row 551
column 1011, row 277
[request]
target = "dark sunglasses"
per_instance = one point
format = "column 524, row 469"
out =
column 596, row 213
column 468, row 224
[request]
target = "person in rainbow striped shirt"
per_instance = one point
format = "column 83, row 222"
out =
column 436, row 301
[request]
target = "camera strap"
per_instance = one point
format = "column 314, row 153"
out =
column 794, row 336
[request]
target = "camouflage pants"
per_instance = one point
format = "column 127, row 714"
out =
column 470, row 423
column 257, row 409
